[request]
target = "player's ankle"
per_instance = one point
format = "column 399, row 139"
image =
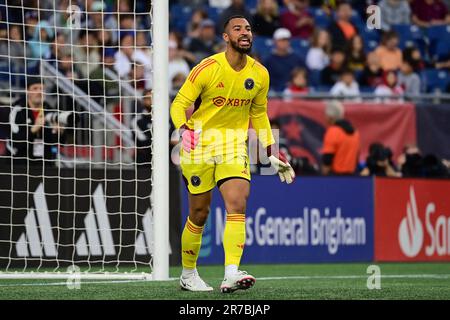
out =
column 186, row 273
column 230, row 269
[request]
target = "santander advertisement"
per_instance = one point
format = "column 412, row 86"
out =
column 412, row 220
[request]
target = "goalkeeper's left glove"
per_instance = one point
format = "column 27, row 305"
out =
column 279, row 161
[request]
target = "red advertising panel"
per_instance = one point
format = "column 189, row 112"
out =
column 412, row 220
column 303, row 124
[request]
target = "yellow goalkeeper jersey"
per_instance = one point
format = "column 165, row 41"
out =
column 224, row 102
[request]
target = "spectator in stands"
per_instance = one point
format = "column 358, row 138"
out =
column 317, row 57
column 426, row 13
column 346, row 86
column 193, row 26
column 298, row 83
column 137, row 77
column 389, row 90
column 86, row 54
column 185, row 54
column 342, row 30
column 266, row 19
column 379, row 162
column 123, row 6
column 40, row 44
column 413, row 55
column 127, row 23
column 60, row 21
column 33, row 138
column 282, row 60
column 177, row 65
column 297, row 19
column 394, row 12
column 408, row 79
column 330, row 75
column 65, row 65
column 142, row 129
column 414, row 164
column 13, row 48
column 372, row 75
column 410, row 161
column 178, row 81
column 97, row 16
column 142, row 43
column 31, row 20
column 101, row 85
column 237, row 8
column 127, row 54
column 206, row 44
column 341, row 145
column 105, row 38
column 59, row 45
column 356, row 57
column 389, row 55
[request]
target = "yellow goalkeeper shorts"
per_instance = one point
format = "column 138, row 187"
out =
column 203, row 176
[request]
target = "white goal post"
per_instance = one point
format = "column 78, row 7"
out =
column 85, row 192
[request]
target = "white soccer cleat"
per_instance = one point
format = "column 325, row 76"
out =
column 240, row 280
column 194, row 283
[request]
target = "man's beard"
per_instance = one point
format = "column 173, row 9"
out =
column 235, row 46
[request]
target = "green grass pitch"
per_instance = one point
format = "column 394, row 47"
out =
column 285, row 282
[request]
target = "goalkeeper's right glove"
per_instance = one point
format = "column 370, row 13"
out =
column 190, row 138
column 279, row 161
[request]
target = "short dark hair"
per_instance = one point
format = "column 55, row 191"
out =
column 347, row 71
column 227, row 21
column 32, row 79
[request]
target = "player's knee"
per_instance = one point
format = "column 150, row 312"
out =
column 236, row 205
column 199, row 215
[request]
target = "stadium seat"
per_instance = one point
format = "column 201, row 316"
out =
column 321, row 19
column 442, row 51
column 370, row 45
column 323, row 89
column 408, row 32
column 411, row 35
column 435, row 80
column 213, row 13
column 438, row 32
column 300, row 47
column 262, row 46
column 357, row 20
column 370, row 37
column 180, row 16
column 437, row 36
column 366, row 89
column 314, row 78
column 251, row 4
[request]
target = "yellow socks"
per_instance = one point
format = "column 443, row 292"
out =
column 234, row 238
column 191, row 241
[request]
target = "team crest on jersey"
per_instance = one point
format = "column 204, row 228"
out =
column 195, row 180
column 249, row 84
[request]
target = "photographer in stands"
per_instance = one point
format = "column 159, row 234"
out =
column 379, row 162
column 35, row 129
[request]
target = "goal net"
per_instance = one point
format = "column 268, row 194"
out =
column 82, row 182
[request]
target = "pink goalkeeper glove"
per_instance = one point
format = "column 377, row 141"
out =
column 190, row 138
column 279, row 161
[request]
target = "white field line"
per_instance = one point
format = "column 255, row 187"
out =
column 343, row 277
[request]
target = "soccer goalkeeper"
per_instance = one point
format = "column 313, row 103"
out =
column 227, row 89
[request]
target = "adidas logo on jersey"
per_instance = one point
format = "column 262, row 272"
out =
column 220, row 85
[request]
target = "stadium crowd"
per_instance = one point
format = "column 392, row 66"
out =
column 308, row 46
column 326, row 46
